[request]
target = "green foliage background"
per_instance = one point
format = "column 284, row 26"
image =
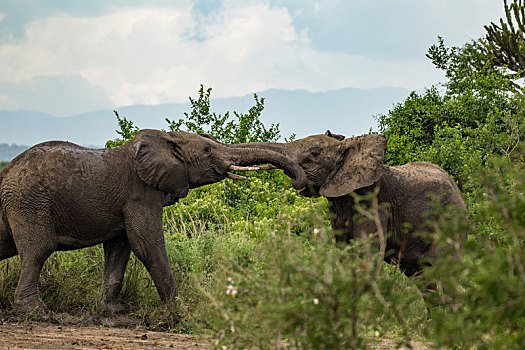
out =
column 255, row 262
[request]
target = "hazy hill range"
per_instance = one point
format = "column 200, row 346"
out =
column 346, row 111
column 8, row 152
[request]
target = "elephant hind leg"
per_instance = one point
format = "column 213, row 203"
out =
column 27, row 297
column 432, row 292
column 34, row 242
column 7, row 244
column 7, row 248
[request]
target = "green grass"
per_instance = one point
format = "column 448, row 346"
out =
column 3, row 165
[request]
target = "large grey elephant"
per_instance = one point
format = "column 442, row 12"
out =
column 337, row 167
column 60, row 196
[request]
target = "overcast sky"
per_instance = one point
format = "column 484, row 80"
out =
column 68, row 57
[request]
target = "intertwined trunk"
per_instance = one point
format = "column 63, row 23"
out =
column 259, row 153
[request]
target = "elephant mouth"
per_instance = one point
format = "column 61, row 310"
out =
column 307, row 189
column 246, row 168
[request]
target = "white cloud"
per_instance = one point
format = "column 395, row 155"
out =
column 151, row 56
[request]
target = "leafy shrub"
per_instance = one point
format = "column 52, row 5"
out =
column 487, row 276
column 305, row 292
column 127, row 131
column 245, row 127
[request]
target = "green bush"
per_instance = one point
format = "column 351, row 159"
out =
column 473, row 130
column 487, row 275
column 245, row 127
column 302, row 291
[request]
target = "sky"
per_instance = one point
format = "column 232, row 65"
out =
column 75, row 56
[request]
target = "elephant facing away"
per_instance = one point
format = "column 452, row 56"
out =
column 336, row 167
column 60, row 196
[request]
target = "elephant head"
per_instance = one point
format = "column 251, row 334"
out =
column 174, row 162
column 335, row 166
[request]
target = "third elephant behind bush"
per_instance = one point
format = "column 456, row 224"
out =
column 337, row 167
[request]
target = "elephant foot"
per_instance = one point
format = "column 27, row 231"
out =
column 31, row 307
column 113, row 306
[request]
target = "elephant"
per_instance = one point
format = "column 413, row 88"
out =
column 338, row 167
column 61, row 196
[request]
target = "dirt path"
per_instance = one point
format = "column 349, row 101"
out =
column 71, row 337
column 25, row 336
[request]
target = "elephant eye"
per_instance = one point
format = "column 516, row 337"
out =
column 207, row 149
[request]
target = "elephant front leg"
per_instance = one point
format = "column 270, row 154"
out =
column 146, row 239
column 116, row 256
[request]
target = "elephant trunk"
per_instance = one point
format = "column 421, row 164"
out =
column 252, row 155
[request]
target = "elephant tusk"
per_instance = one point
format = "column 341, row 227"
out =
column 268, row 167
column 252, row 168
column 236, row 177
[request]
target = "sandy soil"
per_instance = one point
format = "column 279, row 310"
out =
column 24, row 336
column 52, row 336
column 119, row 332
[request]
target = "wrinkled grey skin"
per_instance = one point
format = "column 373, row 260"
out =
column 60, row 196
column 337, row 167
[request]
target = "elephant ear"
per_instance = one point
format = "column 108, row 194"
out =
column 335, row 136
column 160, row 162
column 362, row 166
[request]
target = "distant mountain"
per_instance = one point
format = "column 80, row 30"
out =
column 8, row 152
column 347, row 111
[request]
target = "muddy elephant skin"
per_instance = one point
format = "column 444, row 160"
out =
column 60, row 196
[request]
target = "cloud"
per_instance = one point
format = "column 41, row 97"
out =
column 157, row 55
column 58, row 95
column 384, row 28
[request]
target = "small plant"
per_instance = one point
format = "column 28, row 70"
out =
column 127, row 131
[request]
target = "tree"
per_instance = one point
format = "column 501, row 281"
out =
column 505, row 42
column 245, row 127
column 127, row 131
column 477, row 116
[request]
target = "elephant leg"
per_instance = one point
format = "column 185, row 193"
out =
column 27, row 298
column 33, row 254
column 7, row 248
column 145, row 236
column 116, row 256
column 7, row 244
column 35, row 241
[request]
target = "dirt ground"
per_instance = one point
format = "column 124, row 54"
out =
column 23, row 336
column 80, row 336
column 63, row 331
